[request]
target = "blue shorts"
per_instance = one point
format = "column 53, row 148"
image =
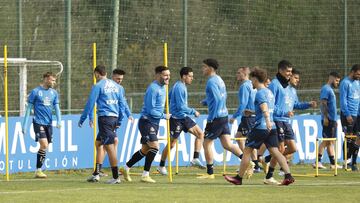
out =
column 216, row 128
column 347, row 127
column 43, row 131
column 257, row 137
column 284, row 131
column 330, row 130
column 178, row 125
column 107, row 129
column 148, row 130
column 246, row 124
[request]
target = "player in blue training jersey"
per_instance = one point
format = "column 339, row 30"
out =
column 246, row 96
column 263, row 132
column 109, row 100
column 349, row 107
column 117, row 76
column 328, row 118
column 217, row 121
column 151, row 113
column 180, row 118
column 43, row 98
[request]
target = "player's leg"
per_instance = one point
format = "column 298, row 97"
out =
column 44, row 137
column 244, row 164
column 199, row 134
column 162, row 169
column 241, row 143
column 111, row 151
column 150, row 156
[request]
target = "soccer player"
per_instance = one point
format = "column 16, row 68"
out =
column 43, row 98
column 107, row 95
column 328, row 118
column 151, row 113
column 349, row 106
column 246, row 109
column 117, row 76
column 279, row 86
column 264, row 131
column 180, row 120
column 217, row 121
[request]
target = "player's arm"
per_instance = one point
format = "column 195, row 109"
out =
column 277, row 111
column 153, row 111
column 26, row 117
column 181, row 102
column 215, row 96
column 265, row 110
column 57, row 111
column 94, row 94
column 325, row 111
column 343, row 99
column 243, row 98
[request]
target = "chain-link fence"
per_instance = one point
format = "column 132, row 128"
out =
column 316, row 36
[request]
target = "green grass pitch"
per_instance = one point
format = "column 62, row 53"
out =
column 71, row 186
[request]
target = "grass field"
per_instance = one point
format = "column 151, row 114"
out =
column 71, row 186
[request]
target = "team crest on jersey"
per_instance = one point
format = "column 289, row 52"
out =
column 47, row 101
column 152, row 130
column 40, row 93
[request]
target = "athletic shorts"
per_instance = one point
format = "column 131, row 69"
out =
column 178, row 125
column 107, row 129
column 148, row 130
column 257, row 137
column 43, row 131
column 358, row 126
column 347, row 127
column 216, row 128
column 246, row 124
column 284, row 131
column 330, row 130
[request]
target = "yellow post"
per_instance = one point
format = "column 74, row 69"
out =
column 336, row 156
column 94, row 82
column 224, row 162
column 177, row 157
column 345, row 152
column 167, row 112
column 317, row 157
column 6, row 112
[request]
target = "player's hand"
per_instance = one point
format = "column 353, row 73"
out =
column 197, row 114
column 131, row 119
column 268, row 125
column 58, row 125
column 167, row 116
column 91, row 123
column 349, row 119
column 232, row 120
column 80, row 124
column 313, row 104
column 291, row 114
column 326, row 121
column 248, row 112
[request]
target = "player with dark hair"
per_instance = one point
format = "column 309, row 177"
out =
column 217, row 121
column 349, row 107
column 264, row 131
column 106, row 94
column 180, row 118
column 151, row 113
column 328, row 118
column 44, row 99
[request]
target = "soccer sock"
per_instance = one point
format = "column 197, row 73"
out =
column 270, row 172
column 135, row 158
column 150, row 158
column 162, row 163
column 40, row 158
column 97, row 169
column 355, row 154
column 332, row 160
column 115, row 172
column 238, row 177
column 209, row 169
column 320, row 157
column 241, row 156
column 196, row 155
column 268, row 158
column 256, row 162
column 100, row 167
column 288, row 176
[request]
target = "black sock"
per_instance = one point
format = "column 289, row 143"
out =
column 40, row 158
column 332, row 160
column 150, row 158
column 135, row 158
column 241, row 156
column 319, row 157
column 97, row 169
column 196, row 155
column 162, row 163
column 256, row 162
column 100, row 167
column 355, row 154
column 270, row 172
column 238, row 177
column 209, row 169
column 115, row 172
column 268, row 158
column 288, row 176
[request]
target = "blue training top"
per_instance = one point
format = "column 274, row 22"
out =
column 246, row 97
column 282, row 100
column 109, row 100
column 327, row 93
column 215, row 98
column 264, row 95
column 179, row 101
column 294, row 102
column 43, row 101
column 349, row 97
column 154, row 102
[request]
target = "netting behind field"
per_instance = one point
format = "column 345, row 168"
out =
column 316, row 36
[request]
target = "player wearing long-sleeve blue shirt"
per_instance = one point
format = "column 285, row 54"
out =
column 43, row 98
column 151, row 113
column 217, row 121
